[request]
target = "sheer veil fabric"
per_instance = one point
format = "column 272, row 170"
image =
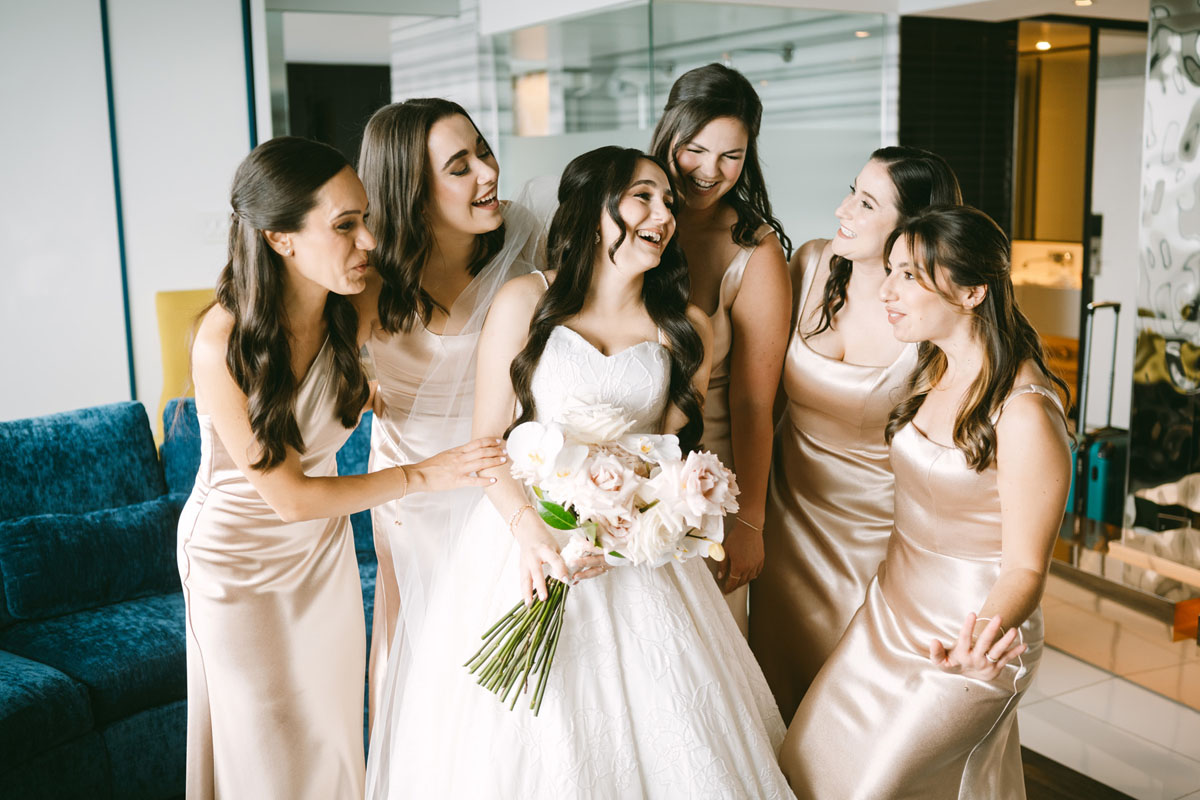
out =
column 427, row 387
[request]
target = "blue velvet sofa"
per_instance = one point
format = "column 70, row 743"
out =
column 92, row 651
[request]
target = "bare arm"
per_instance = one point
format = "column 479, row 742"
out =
column 1033, row 463
column 505, row 332
column 292, row 494
column 761, row 315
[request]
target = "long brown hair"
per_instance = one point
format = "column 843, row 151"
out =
column 698, row 97
column 592, row 184
column 921, row 179
column 274, row 188
column 970, row 250
column 394, row 166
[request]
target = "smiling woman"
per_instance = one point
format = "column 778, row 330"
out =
column 446, row 244
column 737, row 264
column 271, row 586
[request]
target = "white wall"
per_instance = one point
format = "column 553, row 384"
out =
column 182, row 127
column 179, row 90
column 1115, row 195
column 60, row 307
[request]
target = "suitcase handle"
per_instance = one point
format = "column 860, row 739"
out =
column 1092, row 308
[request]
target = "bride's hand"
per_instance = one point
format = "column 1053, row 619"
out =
column 538, row 547
column 457, row 467
column 985, row 658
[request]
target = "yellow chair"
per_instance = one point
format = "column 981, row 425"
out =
column 177, row 316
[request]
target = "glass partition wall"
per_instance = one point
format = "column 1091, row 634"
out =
column 568, row 86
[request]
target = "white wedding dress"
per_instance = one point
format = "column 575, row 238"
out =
column 653, row 692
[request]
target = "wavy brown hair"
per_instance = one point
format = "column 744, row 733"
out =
column 698, row 97
column 274, row 188
column 921, row 179
column 592, row 184
column 968, row 249
column 395, row 170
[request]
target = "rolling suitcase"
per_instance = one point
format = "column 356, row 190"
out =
column 1102, row 455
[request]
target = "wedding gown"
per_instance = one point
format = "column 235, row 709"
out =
column 883, row 723
column 653, row 692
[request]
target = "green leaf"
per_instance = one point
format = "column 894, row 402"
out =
column 556, row 516
column 539, row 494
column 615, row 554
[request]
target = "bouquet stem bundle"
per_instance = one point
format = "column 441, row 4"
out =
column 522, row 642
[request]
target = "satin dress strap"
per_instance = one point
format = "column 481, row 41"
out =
column 1031, row 388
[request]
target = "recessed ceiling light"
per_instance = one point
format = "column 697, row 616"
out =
column 862, row 34
column 1042, row 45
column 1083, row 2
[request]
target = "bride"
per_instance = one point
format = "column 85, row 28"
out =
column 653, row 693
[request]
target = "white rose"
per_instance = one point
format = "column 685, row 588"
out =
column 603, row 489
column 594, row 423
column 695, row 488
column 654, row 538
column 533, row 449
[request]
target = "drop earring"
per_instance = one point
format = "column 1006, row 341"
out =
column 597, row 239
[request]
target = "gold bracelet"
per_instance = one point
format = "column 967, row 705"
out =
column 405, row 474
column 516, row 516
column 748, row 525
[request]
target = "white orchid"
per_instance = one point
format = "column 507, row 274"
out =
column 652, row 447
column 533, row 450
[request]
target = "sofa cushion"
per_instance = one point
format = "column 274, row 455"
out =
column 74, row 770
column 54, row 564
column 181, row 445
column 131, row 656
column 85, row 460
column 40, row 707
column 146, row 752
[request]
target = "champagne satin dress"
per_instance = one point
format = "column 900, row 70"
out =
column 829, row 509
column 880, row 721
column 275, row 632
column 718, row 436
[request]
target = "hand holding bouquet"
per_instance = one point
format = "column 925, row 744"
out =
column 632, row 497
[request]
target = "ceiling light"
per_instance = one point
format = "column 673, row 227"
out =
column 1084, row 3
column 862, row 34
column 1042, row 45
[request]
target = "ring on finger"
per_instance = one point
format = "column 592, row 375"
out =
column 991, row 660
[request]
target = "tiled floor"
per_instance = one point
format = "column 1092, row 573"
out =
column 1086, row 708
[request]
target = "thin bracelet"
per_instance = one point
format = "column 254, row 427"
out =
column 516, row 516
column 405, row 474
column 748, row 525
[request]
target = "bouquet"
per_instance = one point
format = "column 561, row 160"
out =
column 632, row 497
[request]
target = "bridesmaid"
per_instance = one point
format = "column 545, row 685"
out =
column 275, row 631
column 735, row 250
column 829, row 507
column 446, row 245
column 920, row 697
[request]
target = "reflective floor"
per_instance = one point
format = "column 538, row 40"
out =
column 1115, row 698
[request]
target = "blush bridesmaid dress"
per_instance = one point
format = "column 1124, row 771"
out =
column 276, row 640
column 718, row 436
column 881, row 721
column 829, row 508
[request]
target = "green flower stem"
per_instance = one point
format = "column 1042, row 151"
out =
column 520, row 643
column 497, row 635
